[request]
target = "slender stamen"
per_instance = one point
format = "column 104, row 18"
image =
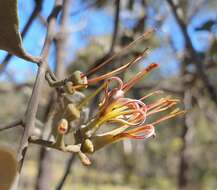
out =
column 161, row 102
column 118, row 70
column 171, row 115
column 128, row 85
column 161, row 109
column 151, row 94
column 95, row 68
column 91, row 96
column 122, row 121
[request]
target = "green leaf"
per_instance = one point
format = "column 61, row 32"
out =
column 10, row 39
column 208, row 25
column 8, row 168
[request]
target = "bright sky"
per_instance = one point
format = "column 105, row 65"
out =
column 95, row 22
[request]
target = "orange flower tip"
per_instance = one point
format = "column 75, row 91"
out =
column 152, row 66
column 62, row 126
column 62, row 129
column 148, row 32
column 175, row 111
column 182, row 112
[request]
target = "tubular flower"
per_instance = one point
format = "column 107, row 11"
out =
column 118, row 109
column 118, row 92
column 128, row 116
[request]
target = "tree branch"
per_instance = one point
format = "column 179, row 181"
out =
column 116, row 26
column 34, row 100
column 15, row 123
column 193, row 55
column 66, row 172
column 88, row 5
column 45, row 156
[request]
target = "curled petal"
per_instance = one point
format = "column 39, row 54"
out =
column 125, row 122
column 142, row 132
column 120, row 82
column 113, row 95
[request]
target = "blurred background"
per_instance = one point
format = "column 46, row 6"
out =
column 183, row 155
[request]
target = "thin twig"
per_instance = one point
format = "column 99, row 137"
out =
column 66, row 172
column 45, row 156
column 16, row 123
column 91, row 4
column 116, row 26
column 193, row 55
column 34, row 100
column 140, row 26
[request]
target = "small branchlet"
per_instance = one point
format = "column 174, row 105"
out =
column 59, row 143
column 71, row 83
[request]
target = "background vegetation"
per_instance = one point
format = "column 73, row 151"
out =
column 183, row 155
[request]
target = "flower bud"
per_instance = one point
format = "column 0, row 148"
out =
column 87, row 146
column 62, row 126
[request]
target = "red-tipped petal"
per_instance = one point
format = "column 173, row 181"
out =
column 138, row 133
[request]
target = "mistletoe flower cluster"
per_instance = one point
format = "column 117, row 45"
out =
column 118, row 116
column 126, row 116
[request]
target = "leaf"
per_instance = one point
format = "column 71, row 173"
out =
column 208, row 25
column 8, row 168
column 10, row 38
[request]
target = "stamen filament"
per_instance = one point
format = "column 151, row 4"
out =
column 128, row 85
column 94, row 69
column 151, row 94
column 171, row 115
column 118, row 70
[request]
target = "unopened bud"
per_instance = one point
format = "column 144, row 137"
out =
column 87, row 146
column 77, row 78
column 62, row 126
column 84, row 159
